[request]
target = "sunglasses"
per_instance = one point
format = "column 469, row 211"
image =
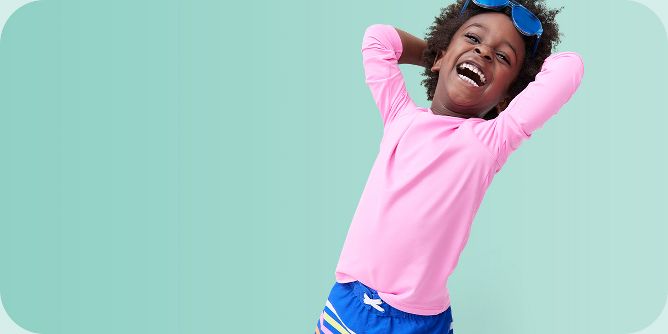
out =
column 525, row 21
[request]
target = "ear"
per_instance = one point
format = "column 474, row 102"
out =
column 503, row 104
column 438, row 62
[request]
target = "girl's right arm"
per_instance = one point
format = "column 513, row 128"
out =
column 412, row 48
column 381, row 51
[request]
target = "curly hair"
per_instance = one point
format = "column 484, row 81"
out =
column 449, row 21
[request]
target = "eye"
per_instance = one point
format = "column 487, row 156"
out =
column 473, row 37
column 503, row 58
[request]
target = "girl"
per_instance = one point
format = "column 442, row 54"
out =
column 493, row 81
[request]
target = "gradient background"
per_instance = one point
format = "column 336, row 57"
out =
column 193, row 167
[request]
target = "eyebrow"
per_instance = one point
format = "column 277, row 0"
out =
column 485, row 28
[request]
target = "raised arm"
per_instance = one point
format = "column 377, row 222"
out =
column 554, row 85
column 413, row 48
column 381, row 51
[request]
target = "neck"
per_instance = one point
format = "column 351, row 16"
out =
column 440, row 109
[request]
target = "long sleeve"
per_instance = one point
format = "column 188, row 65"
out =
column 381, row 49
column 555, row 84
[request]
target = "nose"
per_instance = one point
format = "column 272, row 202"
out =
column 484, row 52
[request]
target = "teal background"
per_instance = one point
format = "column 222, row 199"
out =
column 193, row 167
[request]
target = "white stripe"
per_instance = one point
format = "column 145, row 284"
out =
column 329, row 306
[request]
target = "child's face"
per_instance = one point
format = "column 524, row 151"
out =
column 490, row 42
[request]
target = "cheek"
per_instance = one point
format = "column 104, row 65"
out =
column 507, row 78
column 443, row 76
column 516, row 72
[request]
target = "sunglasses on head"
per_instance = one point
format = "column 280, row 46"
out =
column 525, row 21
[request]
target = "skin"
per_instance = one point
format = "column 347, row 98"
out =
column 487, row 39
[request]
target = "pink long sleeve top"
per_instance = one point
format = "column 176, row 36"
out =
column 429, row 178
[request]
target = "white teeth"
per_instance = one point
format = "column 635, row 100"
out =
column 467, row 79
column 475, row 70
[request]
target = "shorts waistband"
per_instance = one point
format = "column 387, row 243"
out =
column 360, row 289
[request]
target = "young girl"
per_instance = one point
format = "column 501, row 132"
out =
column 435, row 164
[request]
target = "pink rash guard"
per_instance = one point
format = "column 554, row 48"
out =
column 429, row 178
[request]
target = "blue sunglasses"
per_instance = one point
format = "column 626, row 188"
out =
column 525, row 21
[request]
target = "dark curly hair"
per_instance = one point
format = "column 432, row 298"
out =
column 444, row 27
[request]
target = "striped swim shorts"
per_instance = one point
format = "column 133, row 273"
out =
column 354, row 308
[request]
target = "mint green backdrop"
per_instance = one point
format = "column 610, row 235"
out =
column 193, row 167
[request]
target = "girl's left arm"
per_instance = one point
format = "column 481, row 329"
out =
column 555, row 84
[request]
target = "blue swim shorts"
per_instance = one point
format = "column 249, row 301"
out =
column 354, row 308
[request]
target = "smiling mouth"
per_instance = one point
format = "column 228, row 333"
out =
column 472, row 74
